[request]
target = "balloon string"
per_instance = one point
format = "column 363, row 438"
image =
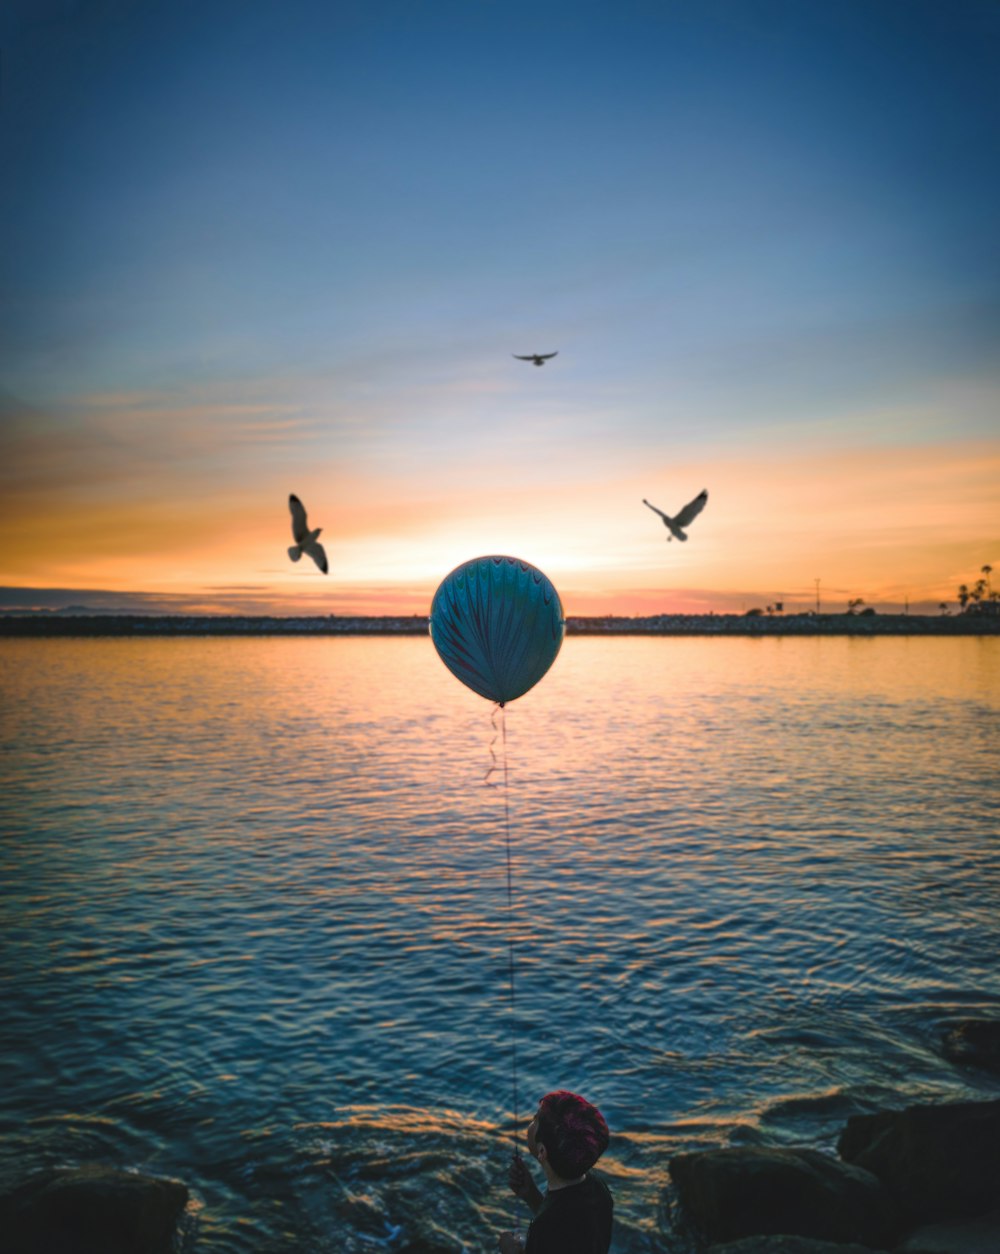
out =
column 510, row 931
column 501, row 733
column 493, row 757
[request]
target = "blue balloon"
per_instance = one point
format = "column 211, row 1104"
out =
column 497, row 624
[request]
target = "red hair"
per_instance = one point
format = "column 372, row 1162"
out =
column 573, row 1132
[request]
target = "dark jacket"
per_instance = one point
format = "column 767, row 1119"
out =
column 573, row 1220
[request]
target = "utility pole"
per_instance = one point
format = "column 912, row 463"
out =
column 817, row 595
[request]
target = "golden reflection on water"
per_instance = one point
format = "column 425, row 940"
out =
column 205, row 695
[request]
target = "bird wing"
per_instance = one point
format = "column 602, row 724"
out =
column 520, row 358
column 300, row 528
column 546, row 356
column 318, row 555
column 653, row 508
column 691, row 510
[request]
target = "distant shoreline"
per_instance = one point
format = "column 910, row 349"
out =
column 54, row 624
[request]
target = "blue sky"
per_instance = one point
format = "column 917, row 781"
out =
column 258, row 247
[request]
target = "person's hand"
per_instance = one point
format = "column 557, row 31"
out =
column 510, row 1243
column 519, row 1179
column 522, row 1185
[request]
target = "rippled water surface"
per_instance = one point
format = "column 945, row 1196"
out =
column 254, row 914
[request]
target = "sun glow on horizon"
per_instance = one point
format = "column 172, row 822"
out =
column 870, row 520
column 215, row 299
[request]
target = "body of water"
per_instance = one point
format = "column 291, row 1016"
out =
column 255, row 926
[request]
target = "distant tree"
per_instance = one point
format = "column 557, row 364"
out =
column 854, row 604
column 981, row 598
column 755, row 612
column 985, row 600
column 779, row 607
column 977, row 592
column 943, row 607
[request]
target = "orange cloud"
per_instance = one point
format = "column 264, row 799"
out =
column 130, row 492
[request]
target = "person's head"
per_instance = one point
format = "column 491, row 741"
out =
column 567, row 1135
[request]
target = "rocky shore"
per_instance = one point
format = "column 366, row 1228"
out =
column 924, row 1179
column 865, row 625
column 92, row 1209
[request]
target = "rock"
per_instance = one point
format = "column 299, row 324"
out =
column 787, row 1245
column 427, row 1247
column 974, row 1043
column 91, row 1210
column 938, row 1162
column 970, row 1236
column 366, row 1214
column 753, row 1191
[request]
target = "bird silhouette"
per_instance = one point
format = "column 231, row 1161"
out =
column 306, row 541
column 683, row 517
column 538, row 358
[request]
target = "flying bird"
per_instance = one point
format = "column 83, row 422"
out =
column 683, row 518
column 306, row 541
column 538, row 358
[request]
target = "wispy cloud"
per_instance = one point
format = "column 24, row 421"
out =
column 752, row 288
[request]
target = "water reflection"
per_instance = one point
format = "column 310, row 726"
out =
column 254, row 906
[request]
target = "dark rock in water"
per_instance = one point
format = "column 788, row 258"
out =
column 91, row 1210
column 788, row 1245
column 367, row 1214
column 974, row 1043
column 733, row 1193
column 427, row 1247
column 938, row 1162
column 970, row 1236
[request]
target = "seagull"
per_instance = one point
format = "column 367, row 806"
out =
column 538, row 358
column 683, row 518
column 306, row 541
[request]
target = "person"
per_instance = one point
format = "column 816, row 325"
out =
column 567, row 1136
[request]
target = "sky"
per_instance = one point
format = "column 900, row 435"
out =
column 257, row 248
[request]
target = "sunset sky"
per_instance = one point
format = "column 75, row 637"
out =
column 255, row 248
